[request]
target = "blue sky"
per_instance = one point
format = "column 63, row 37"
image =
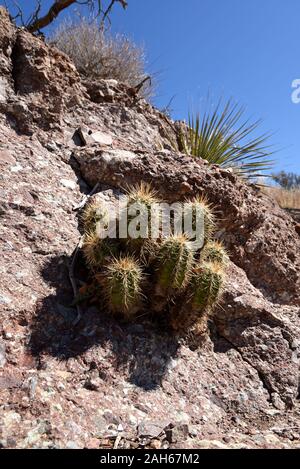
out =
column 245, row 49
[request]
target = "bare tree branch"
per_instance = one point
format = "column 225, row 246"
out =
column 110, row 6
column 52, row 13
column 34, row 16
column 35, row 23
column 19, row 14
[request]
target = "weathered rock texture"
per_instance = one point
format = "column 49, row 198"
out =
column 80, row 386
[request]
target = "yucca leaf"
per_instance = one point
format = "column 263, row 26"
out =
column 220, row 136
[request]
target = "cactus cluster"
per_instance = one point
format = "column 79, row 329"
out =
column 165, row 276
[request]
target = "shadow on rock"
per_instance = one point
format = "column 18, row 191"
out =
column 140, row 351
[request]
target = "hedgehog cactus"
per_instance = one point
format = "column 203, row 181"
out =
column 94, row 213
column 200, row 205
column 214, row 251
column 142, row 193
column 96, row 250
column 206, row 283
column 121, row 283
column 175, row 261
column 143, row 199
column 184, row 281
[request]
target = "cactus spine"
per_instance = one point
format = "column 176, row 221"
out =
column 201, row 207
column 143, row 199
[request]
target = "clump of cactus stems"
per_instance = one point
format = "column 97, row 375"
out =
column 183, row 284
column 121, row 282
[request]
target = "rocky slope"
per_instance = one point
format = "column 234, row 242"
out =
column 101, row 383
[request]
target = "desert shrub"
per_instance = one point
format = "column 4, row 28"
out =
column 287, row 181
column 178, row 282
column 99, row 54
column 221, row 135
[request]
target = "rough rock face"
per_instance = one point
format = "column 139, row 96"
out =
column 82, row 386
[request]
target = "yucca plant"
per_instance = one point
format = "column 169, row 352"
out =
column 223, row 136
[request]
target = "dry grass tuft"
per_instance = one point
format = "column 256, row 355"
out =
column 285, row 198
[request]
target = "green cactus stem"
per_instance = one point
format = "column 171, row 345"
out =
column 214, row 251
column 121, row 283
column 96, row 250
column 94, row 213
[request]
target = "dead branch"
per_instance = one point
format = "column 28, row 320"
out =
column 86, row 198
column 19, row 14
column 73, row 280
column 53, row 12
column 37, row 23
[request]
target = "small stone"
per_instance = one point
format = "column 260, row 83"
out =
column 68, row 183
column 51, row 146
column 185, row 187
column 4, row 300
column 193, row 432
column 132, row 420
column 102, row 138
column 92, row 384
column 177, row 434
column 155, row 444
column 120, row 428
column 111, row 418
column 2, row 355
column 16, row 168
column 150, row 429
column 7, row 335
